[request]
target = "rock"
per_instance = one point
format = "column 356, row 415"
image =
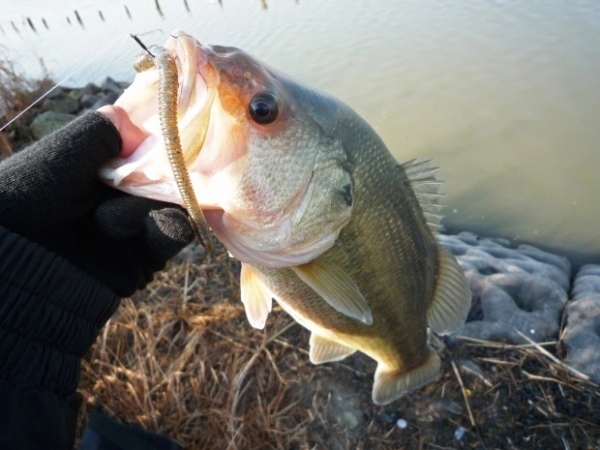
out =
column 90, row 89
column 581, row 336
column 386, row 417
column 66, row 103
column 587, row 281
column 351, row 419
column 49, row 121
column 105, row 98
column 88, row 100
column 459, row 433
column 56, row 91
column 110, row 85
column 402, row 424
column 516, row 291
column 344, row 408
column 63, row 104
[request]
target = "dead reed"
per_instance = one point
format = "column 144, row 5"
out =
column 17, row 92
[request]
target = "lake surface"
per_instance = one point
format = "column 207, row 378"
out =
column 503, row 95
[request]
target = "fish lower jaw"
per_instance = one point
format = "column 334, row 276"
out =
column 264, row 248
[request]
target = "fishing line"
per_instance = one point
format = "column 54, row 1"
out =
column 75, row 72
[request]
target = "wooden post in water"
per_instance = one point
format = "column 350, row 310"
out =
column 158, row 9
column 78, row 17
column 30, row 22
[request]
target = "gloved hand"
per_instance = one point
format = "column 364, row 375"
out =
column 50, row 194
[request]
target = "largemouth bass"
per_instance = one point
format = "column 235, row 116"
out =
column 305, row 194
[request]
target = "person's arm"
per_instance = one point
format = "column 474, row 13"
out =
column 70, row 247
column 50, row 314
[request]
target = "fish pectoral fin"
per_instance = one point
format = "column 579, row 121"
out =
column 452, row 297
column 256, row 297
column 323, row 350
column 390, row 384
column 336, row 287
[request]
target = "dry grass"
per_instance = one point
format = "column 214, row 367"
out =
column 181, row 360
column 17, row 92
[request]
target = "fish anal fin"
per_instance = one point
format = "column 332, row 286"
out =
column 452, row 297
column 390, row 384
column 336, row 287
column 256, row 297
column 323, row 350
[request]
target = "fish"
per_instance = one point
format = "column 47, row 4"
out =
column 303, row 191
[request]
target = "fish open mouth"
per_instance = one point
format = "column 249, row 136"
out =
column 238, row 125
column 146, row 171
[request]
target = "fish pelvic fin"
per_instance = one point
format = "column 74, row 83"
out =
column 256, row 297
column 323, row 350
column 421, row 175
column 336, row 287
column 389, row 385
column 451, row 301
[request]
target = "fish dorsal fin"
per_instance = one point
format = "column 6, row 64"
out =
column 336, row 287
column 452, row 298
column 421, row 175
column 323, row 350
column 256, row 297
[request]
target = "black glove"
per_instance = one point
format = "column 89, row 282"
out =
column 50, row 194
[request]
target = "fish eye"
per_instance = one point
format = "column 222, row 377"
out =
column 264, row 108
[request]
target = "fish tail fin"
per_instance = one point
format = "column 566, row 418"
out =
column 452, row 298
column 391, row 384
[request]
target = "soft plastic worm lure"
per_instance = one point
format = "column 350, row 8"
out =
column 167, row 112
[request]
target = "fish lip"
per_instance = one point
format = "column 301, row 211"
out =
column 196, row 77
column 184, row 49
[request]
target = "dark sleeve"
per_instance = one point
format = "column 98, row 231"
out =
column 50, row 315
